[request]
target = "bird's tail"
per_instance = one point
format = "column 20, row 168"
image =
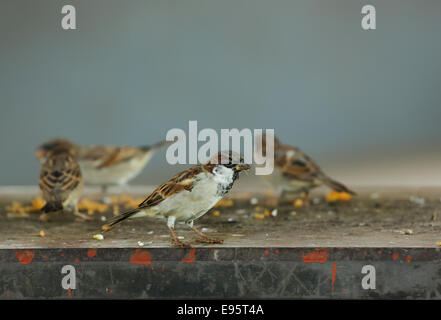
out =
column 157, row 146
column 52, row 206
column 337, row 186
column 119, row 218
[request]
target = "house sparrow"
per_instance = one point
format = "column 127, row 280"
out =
column 296, row 172
column 61, row 182
column 106, row 165
column 189, row 195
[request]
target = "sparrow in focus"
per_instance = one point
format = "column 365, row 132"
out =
column 296, row 172
column 106, row 165
column 189, row 195
column 61, row 182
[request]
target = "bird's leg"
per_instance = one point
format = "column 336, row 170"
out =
column 203, row 236
column 81, row 216
column 304, row 196
column 282, row 193
column 284, row 196
column 175, row 240
column 272, row 198
column 104, row 194
column 125, row 189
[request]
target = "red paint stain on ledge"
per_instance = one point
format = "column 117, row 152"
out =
column 320, row 256
column 25, row 256
column 334, row 272
column 190, row 257
column 141, row 257
column 91, row 253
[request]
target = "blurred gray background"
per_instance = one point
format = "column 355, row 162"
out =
column 366, row 105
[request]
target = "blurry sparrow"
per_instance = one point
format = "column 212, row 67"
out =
column 189, row 195
column 106, row 165
column 61, row 182
column 295, row 172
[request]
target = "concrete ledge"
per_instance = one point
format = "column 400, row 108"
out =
column 251, row 273
column 319, row 252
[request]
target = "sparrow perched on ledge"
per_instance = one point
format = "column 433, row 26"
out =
column 296, row 172
column 106, row 165
column 61, row 182
column 189, row 195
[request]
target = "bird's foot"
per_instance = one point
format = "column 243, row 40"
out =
column 175, row 239
column 204, row 238
column 208, row 240
column 81, row 217
column 180, row 243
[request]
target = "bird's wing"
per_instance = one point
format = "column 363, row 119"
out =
column 298, row 165
column 61, row 174
column 180, row 182
column 108, row 156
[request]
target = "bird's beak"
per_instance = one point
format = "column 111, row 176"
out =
column 241, row 167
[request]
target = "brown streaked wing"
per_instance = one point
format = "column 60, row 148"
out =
column 300, row 166
column 62, row 173
column 182, row 181
column 108, row 156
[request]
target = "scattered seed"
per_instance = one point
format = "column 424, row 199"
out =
column 38, row 204
column 417, row 200
column 298, row 203
column 17, row 215
column 269, row 192
column 259, row 216
column 224, row 203
column 98, row 237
